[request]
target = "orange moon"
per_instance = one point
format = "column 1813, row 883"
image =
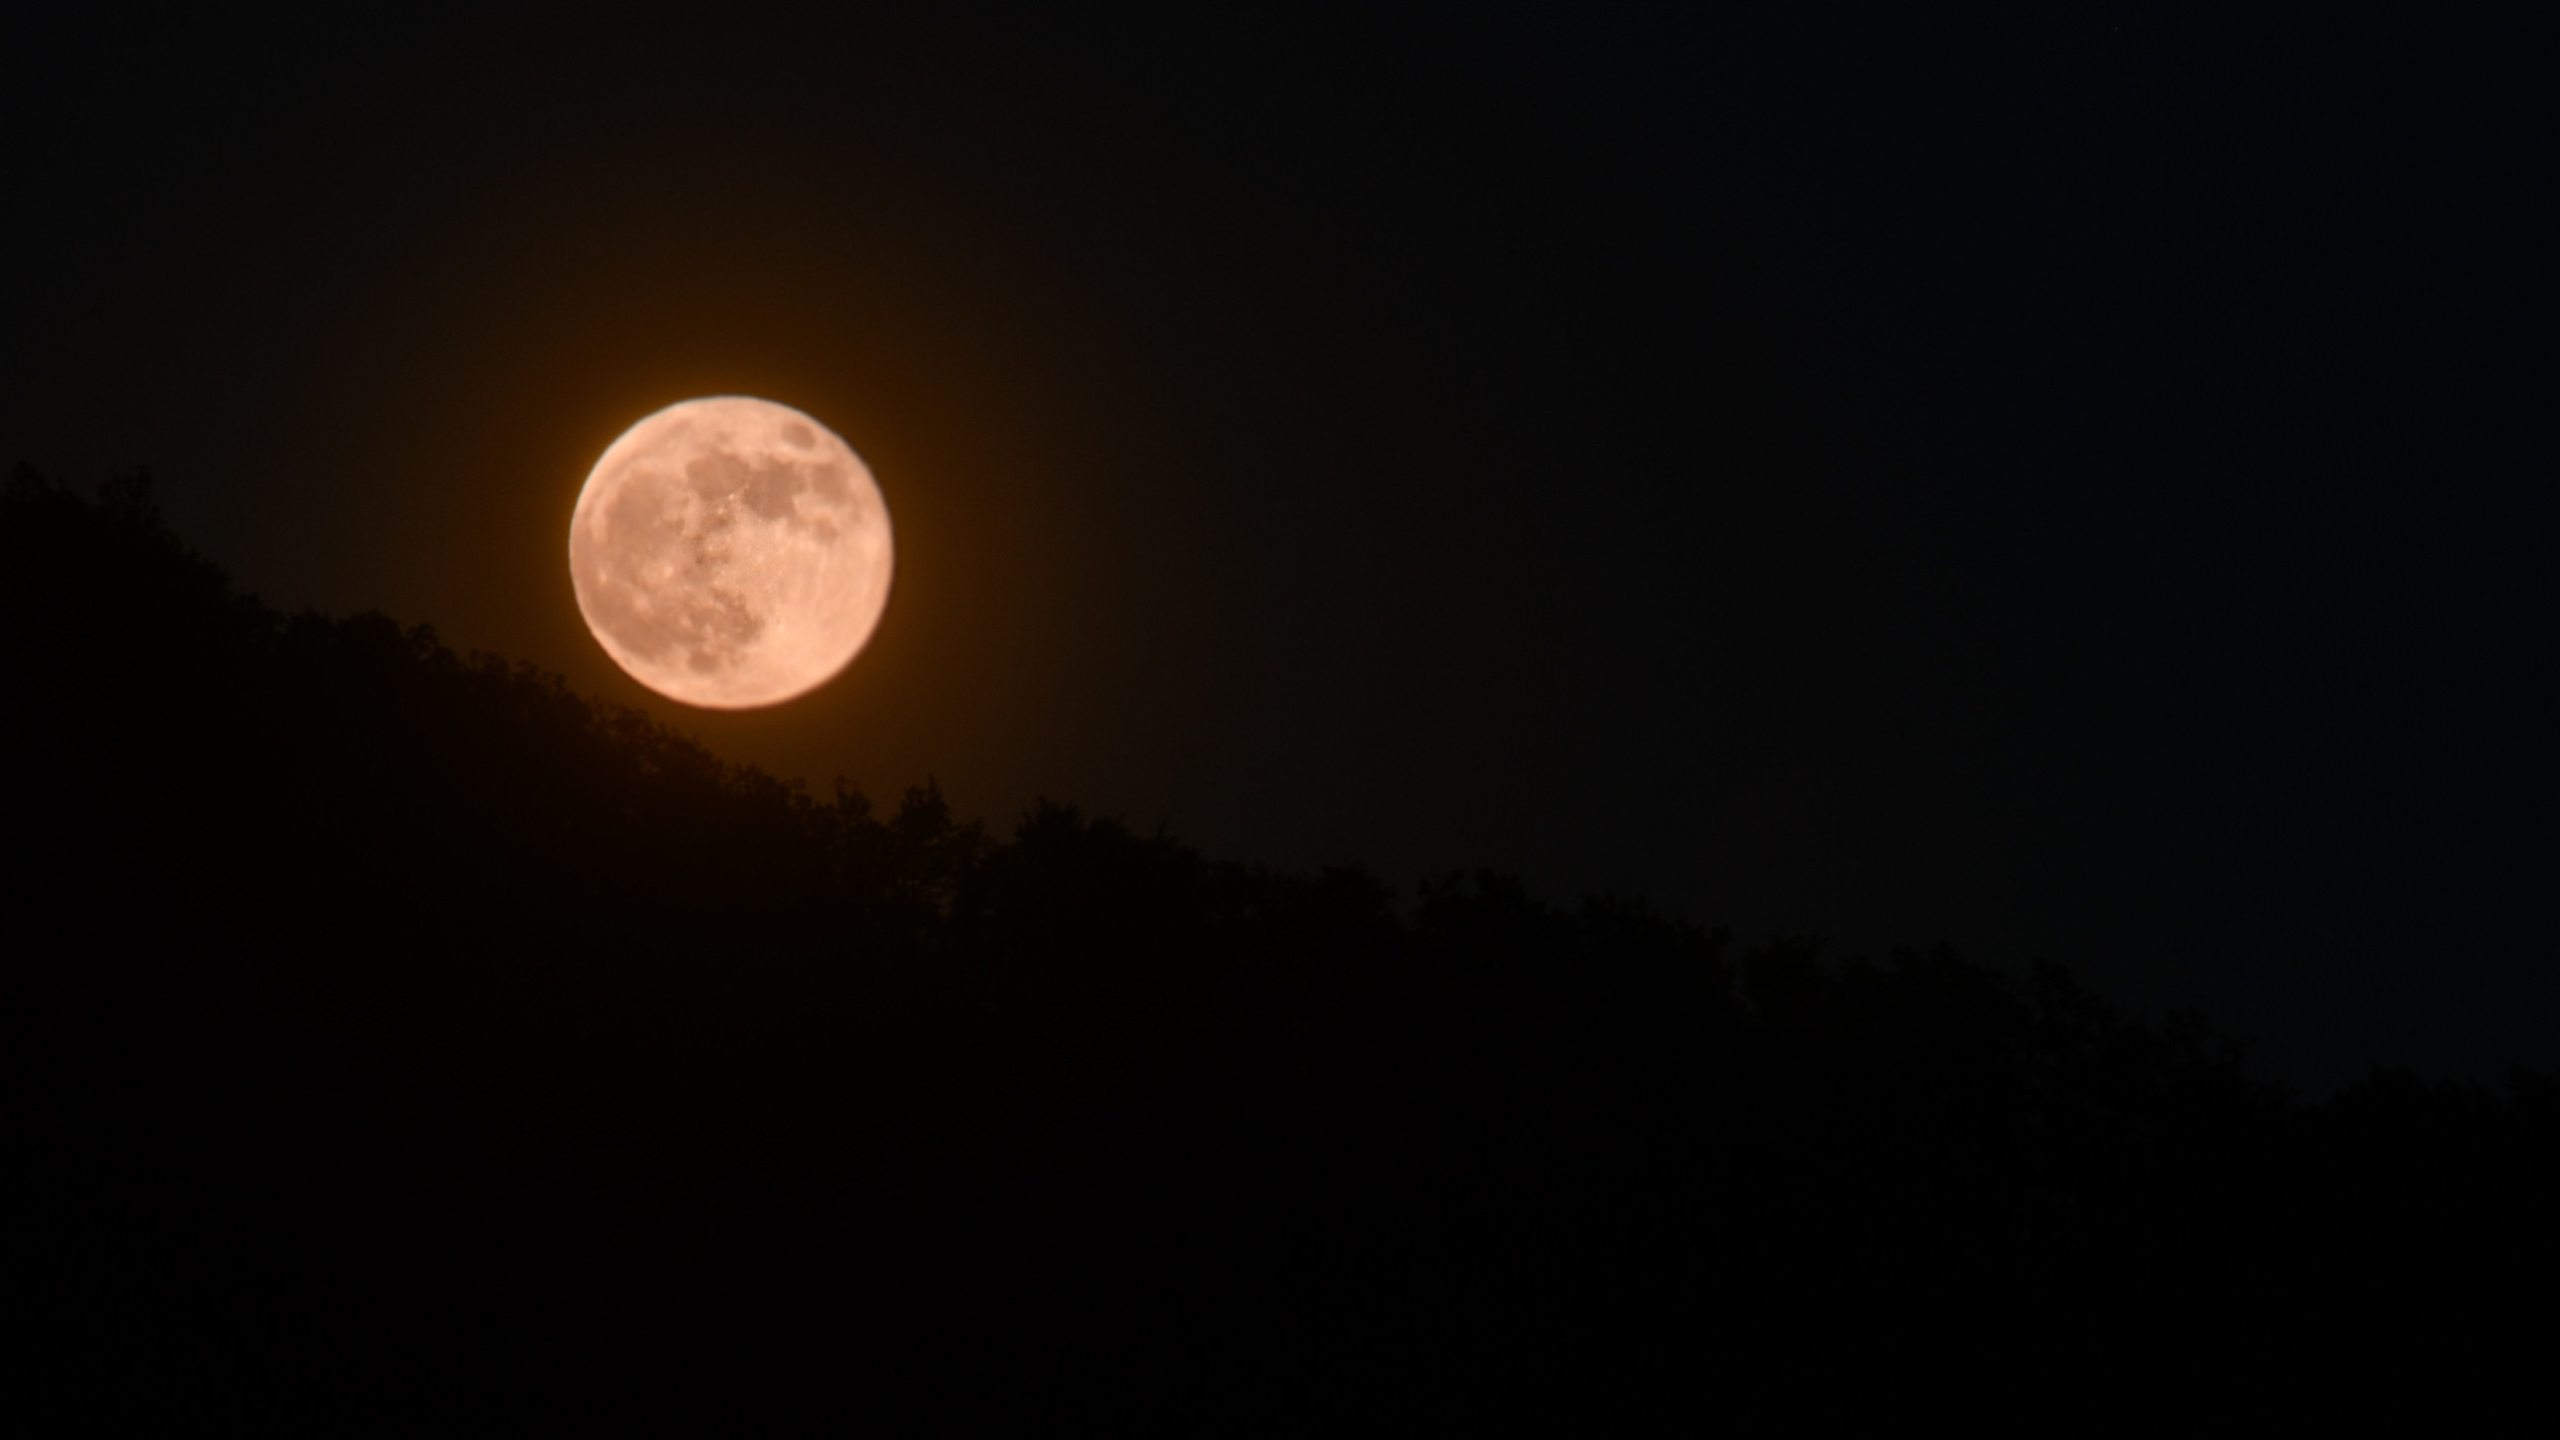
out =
column 731, row 552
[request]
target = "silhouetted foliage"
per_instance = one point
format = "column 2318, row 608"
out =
column 399, row 1036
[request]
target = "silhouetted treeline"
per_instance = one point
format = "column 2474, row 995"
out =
column 398, row 1038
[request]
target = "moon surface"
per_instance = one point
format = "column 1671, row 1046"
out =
column 731, row 552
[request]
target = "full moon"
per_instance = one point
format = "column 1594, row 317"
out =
column 730, row 552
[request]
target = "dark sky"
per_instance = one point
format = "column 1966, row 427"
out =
column 2069, row 479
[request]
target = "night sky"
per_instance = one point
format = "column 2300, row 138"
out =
column 2070, row 480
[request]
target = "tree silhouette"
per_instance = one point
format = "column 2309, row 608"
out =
column 400, row 1037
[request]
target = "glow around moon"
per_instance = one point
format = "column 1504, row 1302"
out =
column 730, row 552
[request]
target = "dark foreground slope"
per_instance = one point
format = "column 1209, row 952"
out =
column 399, row 1043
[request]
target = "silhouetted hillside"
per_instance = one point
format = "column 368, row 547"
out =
column 397, row 1038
